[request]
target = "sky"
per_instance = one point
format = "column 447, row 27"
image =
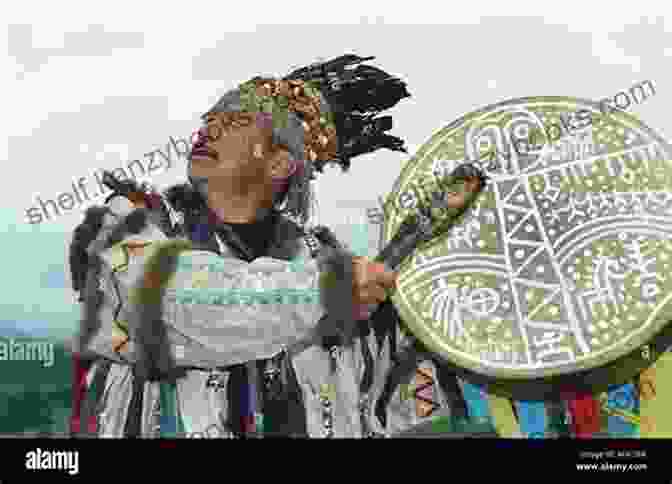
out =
column 90, row 87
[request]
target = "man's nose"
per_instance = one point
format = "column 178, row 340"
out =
column 197, row 137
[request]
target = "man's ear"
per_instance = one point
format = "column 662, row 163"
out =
column 279, row 163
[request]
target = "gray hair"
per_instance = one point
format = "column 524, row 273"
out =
column 297, row 199
column 290, row 136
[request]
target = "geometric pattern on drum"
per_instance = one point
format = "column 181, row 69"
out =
column 534, row 276
column 631, row 187
column 547, row 215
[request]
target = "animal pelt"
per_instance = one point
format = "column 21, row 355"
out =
column 154, row 359
column 336, row 294
column 87, row 266
column 132, row 224
column 83, row 236
column 93, row 298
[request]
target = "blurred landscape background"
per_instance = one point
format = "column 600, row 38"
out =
column 35, row 398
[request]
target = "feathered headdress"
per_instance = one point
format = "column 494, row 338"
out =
column 355, row 96
column 324, row 113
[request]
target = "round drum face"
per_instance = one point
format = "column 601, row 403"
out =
column 564, row 262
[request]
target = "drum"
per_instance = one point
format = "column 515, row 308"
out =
column 560, row 273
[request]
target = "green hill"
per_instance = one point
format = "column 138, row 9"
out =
column 35, row 397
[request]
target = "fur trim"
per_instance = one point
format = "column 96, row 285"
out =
column 132, row 224
column 148, row 331
column 93, row 299
column 326, row 236
column 336, row 283
column 405, row 363
column 83, row 236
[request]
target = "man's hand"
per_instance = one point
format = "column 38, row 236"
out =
column 372, row 281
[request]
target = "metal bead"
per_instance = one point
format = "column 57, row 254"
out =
column 215, row 381
column 335, row 352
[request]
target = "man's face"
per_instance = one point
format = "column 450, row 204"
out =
column 232, row 148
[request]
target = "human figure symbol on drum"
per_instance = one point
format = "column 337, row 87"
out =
column 447, row 305
column 607, row 287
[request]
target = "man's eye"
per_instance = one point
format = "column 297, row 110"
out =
column 214, row 132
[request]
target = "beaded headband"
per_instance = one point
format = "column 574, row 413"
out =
column 280, row 97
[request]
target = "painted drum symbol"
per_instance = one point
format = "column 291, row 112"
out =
column 483, row 301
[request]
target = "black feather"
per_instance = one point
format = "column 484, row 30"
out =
column 355, row 96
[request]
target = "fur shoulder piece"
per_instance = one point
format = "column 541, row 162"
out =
column 184, row 198
column 326, row 236
column 132, row 224
column 154, row 357
column 336, row 282
column 83, row 236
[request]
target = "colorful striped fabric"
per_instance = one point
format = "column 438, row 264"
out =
column 617, row 414
column 585, row 412
column 478, row 406
column 170, row 422
column 532, row 419
column 503, row 416
column 80, row 392
column 656, row 399
column 620, row 407
column 249, row 404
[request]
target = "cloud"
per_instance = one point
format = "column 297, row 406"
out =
column 113, row 138
column 95, row 42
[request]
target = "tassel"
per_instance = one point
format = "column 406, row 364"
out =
column 477, row 402
column 557, row 418
column 503, row 416
column 621, row 409
column 584, row 409
column 385, row 321
column 656, row 399
column 404, row 365
column 170, row 423
column 532, row 418
column 79, row 387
